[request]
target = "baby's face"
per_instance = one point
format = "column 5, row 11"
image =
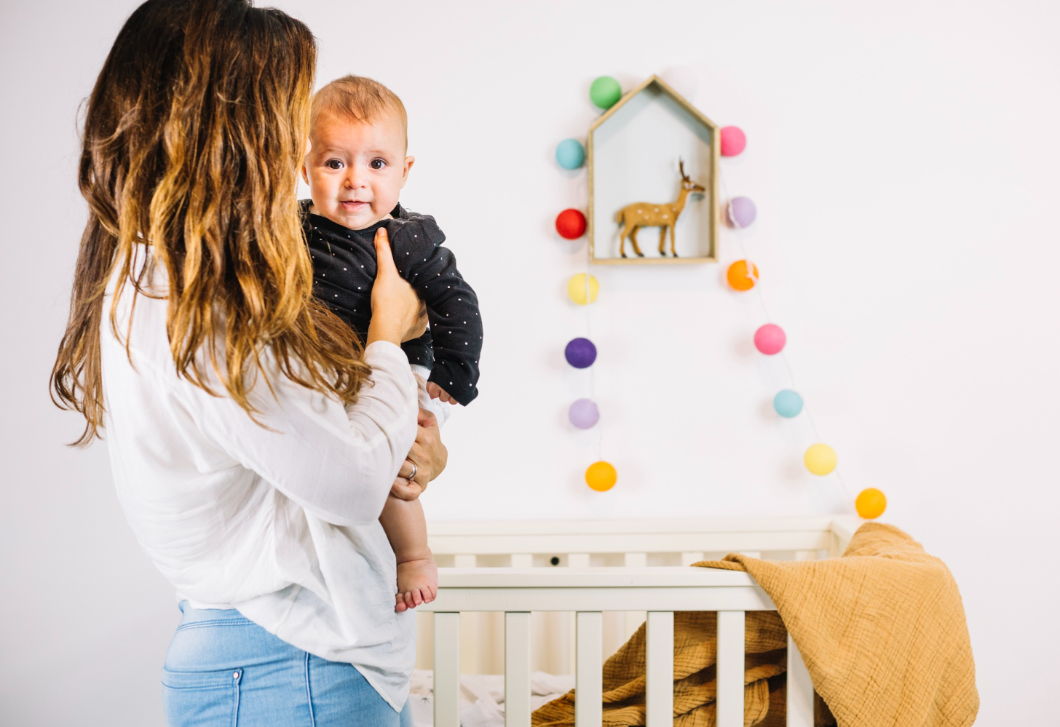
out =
column 355, row 170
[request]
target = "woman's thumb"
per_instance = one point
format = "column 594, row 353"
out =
column 384, row 256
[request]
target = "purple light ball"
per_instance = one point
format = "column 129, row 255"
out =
column 742, row 212
column 580, row 353
column 584, row 414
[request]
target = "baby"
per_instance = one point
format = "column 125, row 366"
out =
column 355, row 169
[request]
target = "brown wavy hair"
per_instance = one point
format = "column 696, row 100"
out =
column 193, row 136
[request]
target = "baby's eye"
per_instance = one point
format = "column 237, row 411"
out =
column 333, row 164
column 377, row 163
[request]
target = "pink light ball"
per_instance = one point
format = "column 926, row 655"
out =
column 770, row 339
column 741, row 212
column 733, row 141
column 584, row 414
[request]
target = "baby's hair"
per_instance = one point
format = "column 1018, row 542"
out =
column 359, row 99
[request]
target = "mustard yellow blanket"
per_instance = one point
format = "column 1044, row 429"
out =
column 882, row 632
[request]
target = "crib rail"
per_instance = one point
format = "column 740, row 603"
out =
column 635, row 536
column 597, row 596
column 588, row 592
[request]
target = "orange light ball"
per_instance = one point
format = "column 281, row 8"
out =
column 601, row 476
column 871, row 503
column 742, row 275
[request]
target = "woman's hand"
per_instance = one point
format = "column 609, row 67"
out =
column 397, row 312
column 429, row 456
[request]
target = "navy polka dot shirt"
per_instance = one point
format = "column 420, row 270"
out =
column 344, row 271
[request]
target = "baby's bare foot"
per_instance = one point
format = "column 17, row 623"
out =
column 417, row 583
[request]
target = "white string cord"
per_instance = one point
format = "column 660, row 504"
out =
column 592, row 369
column 769, row 319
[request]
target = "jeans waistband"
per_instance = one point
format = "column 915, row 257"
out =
column 193, row 615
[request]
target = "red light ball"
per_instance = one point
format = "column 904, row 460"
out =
column 570, row 224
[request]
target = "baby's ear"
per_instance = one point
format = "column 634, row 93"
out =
column 409, row 161
column 305, row 173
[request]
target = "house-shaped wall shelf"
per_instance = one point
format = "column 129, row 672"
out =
column 633, row 152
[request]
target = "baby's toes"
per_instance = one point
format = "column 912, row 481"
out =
column 410, row 600
column 400, row 606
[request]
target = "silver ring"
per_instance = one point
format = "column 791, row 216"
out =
column 415, row 470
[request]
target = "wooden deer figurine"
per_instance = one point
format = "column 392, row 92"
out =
column 644, row 214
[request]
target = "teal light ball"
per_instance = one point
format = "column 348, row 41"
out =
column 605, row 92
column 570, row 154
column 787, row 403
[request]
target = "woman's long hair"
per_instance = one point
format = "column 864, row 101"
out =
column 192, row 139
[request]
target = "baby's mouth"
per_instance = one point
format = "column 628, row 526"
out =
column 352, row 205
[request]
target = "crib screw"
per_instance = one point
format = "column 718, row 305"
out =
column 554, row 560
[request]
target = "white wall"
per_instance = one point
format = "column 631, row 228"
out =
column 903, row 158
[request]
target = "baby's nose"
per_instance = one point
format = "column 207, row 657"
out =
column 354, row 178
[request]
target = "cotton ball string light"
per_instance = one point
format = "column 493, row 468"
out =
column 605, row 92
column 684, row 80
column 601, row 476
column 580, row 292
column 570, row 223
column 580, row 353
column 787, row 403
column 742, row 275
column 733, row 141
column 584, row 414
column 770, row 339
column 570, row 154
column 741, row 212
column 871, row 503
column 820, row 459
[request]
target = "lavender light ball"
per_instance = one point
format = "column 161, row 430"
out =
column 742, row 212
column 580, row 353
column 584, row 414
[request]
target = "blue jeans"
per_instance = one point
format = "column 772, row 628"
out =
column 223, row 670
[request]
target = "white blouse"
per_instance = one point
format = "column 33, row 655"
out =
column 279, row 521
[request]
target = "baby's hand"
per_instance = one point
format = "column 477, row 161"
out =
column 437, row 392
column 404, row 489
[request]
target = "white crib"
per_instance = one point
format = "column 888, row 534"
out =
column 629, row 569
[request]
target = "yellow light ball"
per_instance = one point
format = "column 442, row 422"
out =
column 601, row 476
column 871, row 503
column 820, row 459
column 576, row 289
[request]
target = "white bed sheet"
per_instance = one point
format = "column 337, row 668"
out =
column 482, row 696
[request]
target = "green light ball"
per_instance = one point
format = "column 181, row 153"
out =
column 605, row 92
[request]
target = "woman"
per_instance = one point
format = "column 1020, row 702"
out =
column 253, row 440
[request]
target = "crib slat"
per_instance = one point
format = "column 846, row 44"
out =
column 589, row 687
column 690, row 558
column 805, row 555
column 800, row 689
column 522, row 560
column 574, row 560
column 730, row 668
column 659, row 690
column 636, row 560
column 473, row 623
column 447, row 669
column 635, row 618
column 517, row 669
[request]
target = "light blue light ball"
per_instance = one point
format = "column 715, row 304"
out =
column 787, row 403
column 570, row 154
